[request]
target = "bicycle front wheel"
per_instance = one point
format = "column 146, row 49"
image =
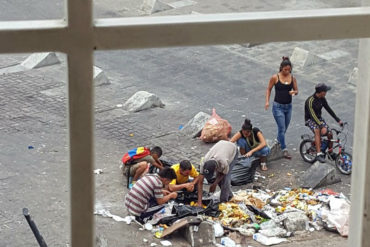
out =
column 344, row 163
column 307, row 151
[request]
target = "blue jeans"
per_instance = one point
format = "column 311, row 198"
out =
column 282, row 114
column 242, row 143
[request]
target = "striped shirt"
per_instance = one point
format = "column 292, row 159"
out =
column 137, row 200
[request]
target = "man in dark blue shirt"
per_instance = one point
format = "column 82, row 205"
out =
column 313, row 118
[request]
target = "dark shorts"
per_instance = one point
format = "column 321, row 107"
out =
column 313, row 125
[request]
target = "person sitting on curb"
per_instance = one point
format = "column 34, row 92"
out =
column 138, row 167
column 183, row 171
column 252, row 143
column 148, row 192
column 220, row 159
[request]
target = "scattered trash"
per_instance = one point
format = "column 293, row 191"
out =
column 219, row 230
column 105, row 213
column 166, row 243
column 119, row 105
column 131, row 134
column 289, row 174
column 98, row 171
column 145, row 240
column 226, row 241
column 30, row 147
column 153, row 244
column 181, row 126
column 148, row 226
column 268, row 240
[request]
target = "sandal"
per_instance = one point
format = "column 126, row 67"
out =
column 287, row 155
column 263, row 167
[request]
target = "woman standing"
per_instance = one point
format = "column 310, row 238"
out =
column 285, row 87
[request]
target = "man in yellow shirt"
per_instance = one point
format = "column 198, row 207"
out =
column 183, row 171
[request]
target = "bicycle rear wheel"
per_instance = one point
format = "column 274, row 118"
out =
column 307, row 151
column 344, row 163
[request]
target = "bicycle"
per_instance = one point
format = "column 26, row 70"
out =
column 342, row 159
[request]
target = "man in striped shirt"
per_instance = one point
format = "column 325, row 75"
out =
column 313, row 118
column 148, row 192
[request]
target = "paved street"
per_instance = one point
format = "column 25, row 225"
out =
column 232, row 79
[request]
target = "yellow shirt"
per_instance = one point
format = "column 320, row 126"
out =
column 180, row 179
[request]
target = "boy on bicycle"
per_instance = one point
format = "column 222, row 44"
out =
column 314, row 120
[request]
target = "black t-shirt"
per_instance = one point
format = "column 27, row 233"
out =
column 255, row 132
column 282, row 95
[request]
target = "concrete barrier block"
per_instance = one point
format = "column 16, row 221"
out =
column 196, row 124
column 353, row 77
column 301, row 58
column 318, row 175
column 142, row 100
column 37, row 60
column 275, row 151
column 295, row 221
column 99, row 77
column 200, row 236
column 154, row 6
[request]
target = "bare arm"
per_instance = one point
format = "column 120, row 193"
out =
column 177, row 187
column 268, row 90
column 219, row 177
column 294, row 91
column 236, row 137
column 166, row 198
column 200, row 189
column 260, row 146
column 158, row 163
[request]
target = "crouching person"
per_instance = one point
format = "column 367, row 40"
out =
column 252, row 143
column 139, row 166
column 217, row 167
column 183, row 171
column 148, row 192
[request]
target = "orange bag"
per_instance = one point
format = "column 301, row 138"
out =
column 215, row 129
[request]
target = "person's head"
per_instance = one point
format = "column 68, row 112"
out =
column 321, row 89
column 166, row 175
column 247, row 128
column 286, row 66
column 209, row 168
column 185, row 168
column 156, row 152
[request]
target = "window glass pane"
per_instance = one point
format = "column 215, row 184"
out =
column 232, row 79
column 31, row 10
column 34, row 149
column 126, row 8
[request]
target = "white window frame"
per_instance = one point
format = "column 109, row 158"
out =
column 79, row 36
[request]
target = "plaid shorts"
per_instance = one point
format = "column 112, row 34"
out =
column 313, row 125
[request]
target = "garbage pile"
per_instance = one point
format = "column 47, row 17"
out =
column 268, row 217
column 271, row 217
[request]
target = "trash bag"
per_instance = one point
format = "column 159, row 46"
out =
column 244, row 170
column 186, row 197
column 215, row 129
column 180, row 211
column 166, row 163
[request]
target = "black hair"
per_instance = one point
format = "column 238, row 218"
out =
column 247, row 125
column 284, row 63
column 168, row 173
column 185, row 165
column 156, row 150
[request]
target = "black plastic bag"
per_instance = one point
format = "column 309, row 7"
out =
column 244, row 170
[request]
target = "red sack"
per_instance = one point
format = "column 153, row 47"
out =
column 215, row 129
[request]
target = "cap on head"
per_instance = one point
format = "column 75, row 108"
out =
column 209, row 169
column 322, row 87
